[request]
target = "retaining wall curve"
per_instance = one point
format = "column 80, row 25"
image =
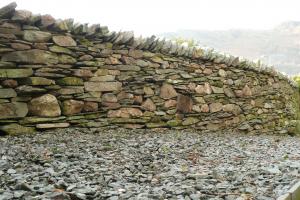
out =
column 56, row 73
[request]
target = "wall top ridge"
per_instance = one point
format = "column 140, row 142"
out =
column 152, row 44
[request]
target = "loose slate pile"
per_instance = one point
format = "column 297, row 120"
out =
column 80, row 164
column 56, row 73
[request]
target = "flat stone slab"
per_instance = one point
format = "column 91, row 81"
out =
column 52, row 125
column 15, row 73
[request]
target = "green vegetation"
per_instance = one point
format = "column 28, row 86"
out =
column 297, row 79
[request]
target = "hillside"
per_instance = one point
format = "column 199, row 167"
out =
column 279, row 46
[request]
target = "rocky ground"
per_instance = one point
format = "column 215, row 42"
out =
column 147, row 164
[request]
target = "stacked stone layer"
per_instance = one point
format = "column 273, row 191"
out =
column 55, row 73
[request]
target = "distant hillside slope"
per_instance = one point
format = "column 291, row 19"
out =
column 279, row 47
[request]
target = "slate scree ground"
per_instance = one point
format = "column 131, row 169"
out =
column 86, row 113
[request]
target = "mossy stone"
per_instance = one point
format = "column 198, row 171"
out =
column 70, row 81
column 16, row 129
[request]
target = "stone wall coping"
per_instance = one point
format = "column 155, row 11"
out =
column 151, row 44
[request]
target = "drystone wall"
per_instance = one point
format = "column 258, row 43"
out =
column 55, row 74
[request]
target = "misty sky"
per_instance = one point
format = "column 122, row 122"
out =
column 148, row 17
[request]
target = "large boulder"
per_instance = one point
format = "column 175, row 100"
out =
column 44, row 106
column 35, row 56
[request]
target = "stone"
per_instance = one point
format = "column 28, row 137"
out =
column 90, row 106
column 215, row 107
column 86, row 57
column 36, row 36
column 170, row 103
column 21, row 15
column 71, row 107
column 142, row 63
column 71, row 90
column 247, row 91
column 13, row 110
column 138, row 99
column 148, row 91
column 229, row 93
column 174, row 122
column 167, row 91
column 15, row 73
column 16, row 129
column 203, row 89
column 20, row 46
column 196, row 108
column 239, row 93
column 110, row 106
column 46, row 21
column 232, row 108
column 7, row 93
column 136, row 53
column 207, row 71
column 85, row 73
column 101, row 72
column 5, row 50
column 204, row 108
column 64, row 41
column 222, row 73
column 184, row 104
column 70, row 81
column 29, row 90
column 217, row 90
column 109, row 97
column 38, row 81
column 103, row 86
column 53, row 125
column 199, row 100
column 41, row 46
column 125, row 113
column 8, row 10
column 189, row 121
column 112, row 61
column 66, row 59
column 44, row 106
column 105, row 78
column 36, row 120
column 124, row 95
column 148, row 105
column 213, row 127
column 35, row 56
column 58, row 49
column 10, row 83
column 7, row 64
